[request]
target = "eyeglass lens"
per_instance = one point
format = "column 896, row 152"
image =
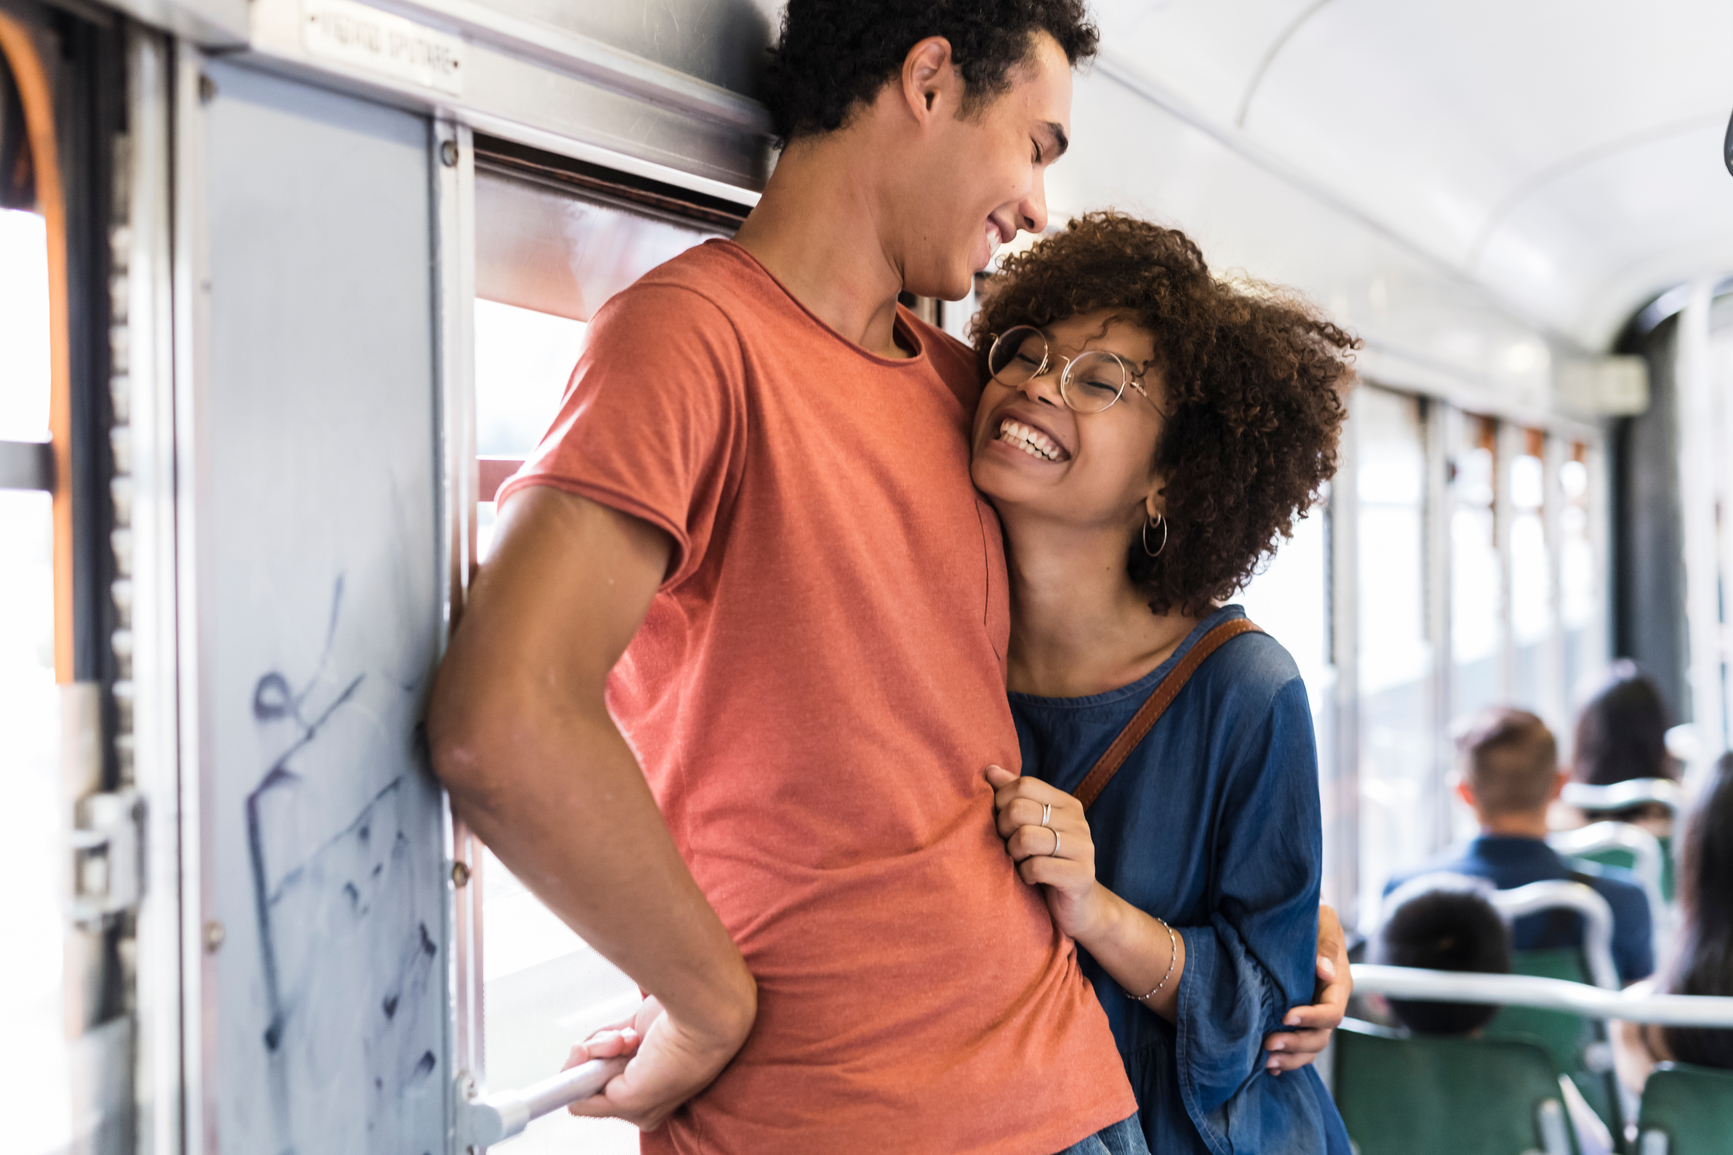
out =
column 1089, row 383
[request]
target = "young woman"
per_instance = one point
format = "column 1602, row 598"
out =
column 1703, row 963
column 1147, row 436
column 1622, row 734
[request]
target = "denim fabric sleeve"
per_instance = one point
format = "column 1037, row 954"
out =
column 1256, row 956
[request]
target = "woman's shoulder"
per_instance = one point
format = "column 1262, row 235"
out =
column 1253, row 667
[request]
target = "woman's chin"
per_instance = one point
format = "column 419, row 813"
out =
column 999, row 481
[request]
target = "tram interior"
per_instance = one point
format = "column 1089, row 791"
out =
column 1524, row 211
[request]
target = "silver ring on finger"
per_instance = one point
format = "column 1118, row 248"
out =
column 1054, row 853
column 1046, row 812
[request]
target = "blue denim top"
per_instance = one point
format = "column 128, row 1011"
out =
column 1212, row 824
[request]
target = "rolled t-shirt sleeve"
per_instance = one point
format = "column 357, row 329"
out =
column 1254, row 959
column 653, row 421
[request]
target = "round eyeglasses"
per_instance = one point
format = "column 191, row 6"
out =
column 1088, row 382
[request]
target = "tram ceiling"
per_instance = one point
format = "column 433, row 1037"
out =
column 1478, row 246
column 1565, row 155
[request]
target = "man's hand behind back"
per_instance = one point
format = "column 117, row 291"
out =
column 669, row 1064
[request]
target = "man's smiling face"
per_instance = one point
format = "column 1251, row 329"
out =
column 978, row 179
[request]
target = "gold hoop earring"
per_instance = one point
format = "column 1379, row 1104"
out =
column 1156, row 552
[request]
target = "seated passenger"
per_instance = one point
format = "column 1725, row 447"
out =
column 1622, row 734
column 1704, row 963
column 1450, row 926
column 1148, row 436
column 1508, row 766
column 1444, row 928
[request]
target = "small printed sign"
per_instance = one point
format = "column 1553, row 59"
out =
column 382, row 43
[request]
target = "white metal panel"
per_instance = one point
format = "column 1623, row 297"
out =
column 554, row 89
column 314, row 480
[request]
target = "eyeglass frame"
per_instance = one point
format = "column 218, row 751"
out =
column 1047, row 357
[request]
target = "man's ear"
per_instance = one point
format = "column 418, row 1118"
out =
column 1558, row 785
column 930, row 79
column 1464, row 791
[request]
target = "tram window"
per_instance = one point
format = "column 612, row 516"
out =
column 1579, row 597
column 1396, row 754
column 1476, row 580
column 32, row 968
column 1531, row 606
column 523, row 359
column 1291, row 599
column 546, row 259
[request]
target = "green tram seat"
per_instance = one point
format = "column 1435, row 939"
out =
column 1578, row 1046
column 1622, row 796
column 1425, row 1095
column 1686, row 1111
column 1627, row 860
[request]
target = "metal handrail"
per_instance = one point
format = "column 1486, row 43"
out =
column 1644, row 848
column 1626, row 794
column 486, row 1119
column 1547, row 994
column 1597, row 916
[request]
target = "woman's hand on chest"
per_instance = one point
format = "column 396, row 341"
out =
column 1048, row 838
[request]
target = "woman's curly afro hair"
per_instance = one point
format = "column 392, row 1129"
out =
column 833, row 55
column 1253, row 380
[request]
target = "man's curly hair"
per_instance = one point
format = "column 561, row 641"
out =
column 1254, row 379
column 834, row 55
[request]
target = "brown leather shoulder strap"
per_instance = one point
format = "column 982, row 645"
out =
column 1154, row 707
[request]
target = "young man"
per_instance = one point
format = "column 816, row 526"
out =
column 1508, row 762
column 751, row 538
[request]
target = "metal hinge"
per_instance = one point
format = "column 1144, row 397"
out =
column 107, row 863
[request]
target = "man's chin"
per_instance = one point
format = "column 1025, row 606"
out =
column 943, row 287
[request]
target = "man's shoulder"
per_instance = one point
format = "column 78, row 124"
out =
column 1453, row 860
column 1617, row 886
column 712, row 272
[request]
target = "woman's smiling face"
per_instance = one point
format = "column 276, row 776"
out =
column 1034, row 454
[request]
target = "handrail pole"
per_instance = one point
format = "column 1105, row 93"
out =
column 1547, row 994
column 1597, row 916
column 487, row 1119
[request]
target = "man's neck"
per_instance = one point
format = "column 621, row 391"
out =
column 1080, row 626
column 1531, row 825
column 818, row 230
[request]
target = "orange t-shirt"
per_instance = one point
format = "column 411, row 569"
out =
column 813, row 695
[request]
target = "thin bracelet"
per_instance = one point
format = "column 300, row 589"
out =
column 1172, row 957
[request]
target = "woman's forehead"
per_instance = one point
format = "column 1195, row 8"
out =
column 1111, row 332
column 1103, row 328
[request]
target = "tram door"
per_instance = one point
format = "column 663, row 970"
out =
column 317, row 885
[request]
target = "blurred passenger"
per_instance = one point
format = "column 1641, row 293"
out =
column 1622, row 734
column 1507, row 762
column 1444, row 927
column 1704, row 962
column 1446, row 924
column 1148, row 436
